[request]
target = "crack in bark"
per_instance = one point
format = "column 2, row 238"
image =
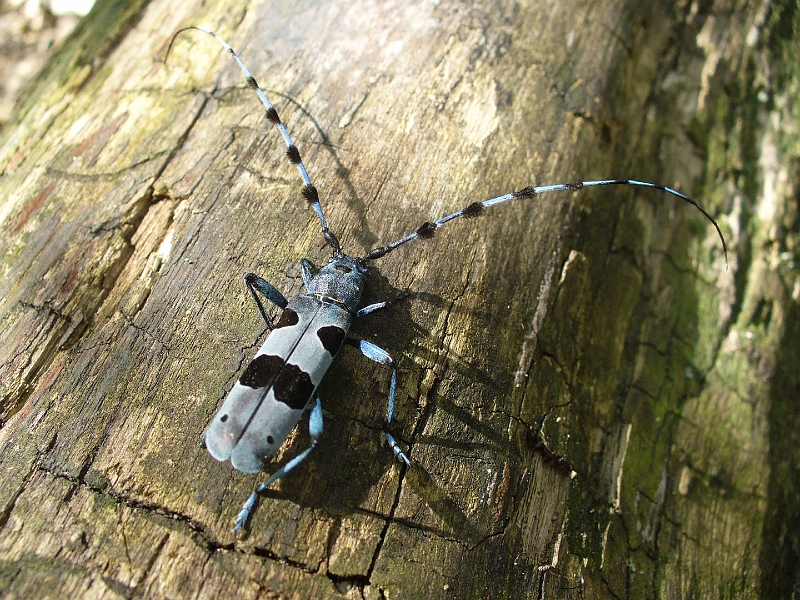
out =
column 195, row 528
column 388, row 520
column 206, row 540
column 272, row 556
column 6, row 514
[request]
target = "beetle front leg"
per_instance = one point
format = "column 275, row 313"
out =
column 378, row 306
column 258, row 284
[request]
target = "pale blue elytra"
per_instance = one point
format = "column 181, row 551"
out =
column 281, row 381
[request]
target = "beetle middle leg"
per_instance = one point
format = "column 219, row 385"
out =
column 381, row 356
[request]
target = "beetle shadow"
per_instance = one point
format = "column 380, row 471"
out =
column 345, row 470
column 352, row 457
column 351, row 197
column 349, row 194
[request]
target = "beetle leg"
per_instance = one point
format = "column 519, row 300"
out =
column 381, row 356
column 315, row 430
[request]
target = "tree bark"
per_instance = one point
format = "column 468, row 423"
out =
column 593, row 405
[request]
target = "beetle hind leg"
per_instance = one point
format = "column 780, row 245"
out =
column 315, row 430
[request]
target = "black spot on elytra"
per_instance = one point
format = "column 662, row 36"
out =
column 288, row 318
column 270, row 439
column 293, row 387
column 331, row 338
column 261, row 371
column 223, row 418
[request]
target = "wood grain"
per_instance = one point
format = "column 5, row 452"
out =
column 586, row 414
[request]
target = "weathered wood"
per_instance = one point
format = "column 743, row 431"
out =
column 593, row 405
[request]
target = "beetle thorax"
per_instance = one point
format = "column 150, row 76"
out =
column 342, row 280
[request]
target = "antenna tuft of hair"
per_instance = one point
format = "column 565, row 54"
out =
column 272, row 116
column 333, row 242
column 427, row 230
column 377, row 253
column 473, row 210
column 310, row 194
column 294, row 154
column 526, row 192
column 575, row 185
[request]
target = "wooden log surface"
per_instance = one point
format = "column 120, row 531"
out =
column 593, row 405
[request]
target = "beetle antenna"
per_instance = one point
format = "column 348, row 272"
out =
column 427, row 229
column 309, row 191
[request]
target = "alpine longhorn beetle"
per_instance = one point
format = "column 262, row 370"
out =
column 282, row 379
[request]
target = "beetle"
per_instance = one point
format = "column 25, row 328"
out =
column 281, row 381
